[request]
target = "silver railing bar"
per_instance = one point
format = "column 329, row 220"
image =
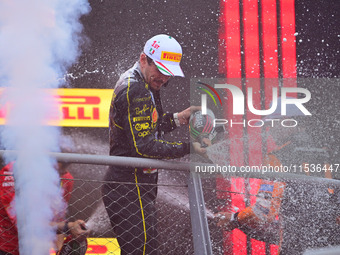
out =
column 169, row 165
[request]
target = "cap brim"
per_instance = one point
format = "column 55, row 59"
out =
column 168, row 69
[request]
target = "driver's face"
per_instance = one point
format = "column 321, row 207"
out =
column 152, row 75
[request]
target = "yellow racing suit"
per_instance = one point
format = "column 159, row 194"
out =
column 137, row 125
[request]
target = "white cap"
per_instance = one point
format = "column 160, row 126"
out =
column 166, row 53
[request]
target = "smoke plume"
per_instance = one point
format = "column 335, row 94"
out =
column 39, row 40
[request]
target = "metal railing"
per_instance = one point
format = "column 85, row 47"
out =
column 204, row 242
column 196, row 208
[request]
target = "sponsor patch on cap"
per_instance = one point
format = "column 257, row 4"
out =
column 171, row 56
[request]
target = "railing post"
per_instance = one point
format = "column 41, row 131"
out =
column 199, row 222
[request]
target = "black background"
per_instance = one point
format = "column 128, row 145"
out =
column 117, row 31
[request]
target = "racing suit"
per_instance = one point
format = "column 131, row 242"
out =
column 137, row 124
column 296, row 214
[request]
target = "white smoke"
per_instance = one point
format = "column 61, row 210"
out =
column 39, row 40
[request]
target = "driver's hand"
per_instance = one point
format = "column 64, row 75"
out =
column 184, row 115
column 78, row 229
column 199, row 150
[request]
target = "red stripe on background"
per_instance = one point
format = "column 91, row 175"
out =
column 252, row 71
column 232, row 38
column 288, row 39
column 230, row 64
column 269, row 38
column 251, row 38
column 270, row 54
column 288, row 44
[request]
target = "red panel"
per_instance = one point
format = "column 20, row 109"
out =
column 288, row 44
column 269, row 38
column 230, row 64
column 258, row 247
column 232, row 38
column 288, row 38
column 251, row 38
column 270, row 62
column 274, row 250
column 252, row 70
